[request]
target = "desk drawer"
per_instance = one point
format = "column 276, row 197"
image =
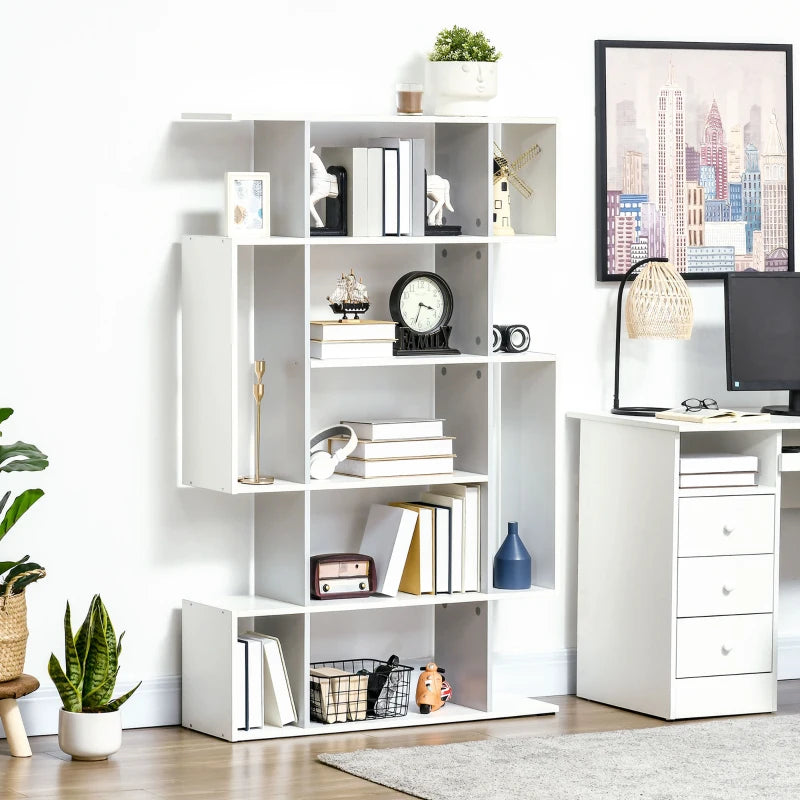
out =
column 724, row 645
column 728, row 525
column 725, row 585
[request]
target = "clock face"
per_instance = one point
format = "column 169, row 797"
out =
column 422, row 304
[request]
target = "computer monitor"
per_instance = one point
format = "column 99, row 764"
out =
column 762, row 334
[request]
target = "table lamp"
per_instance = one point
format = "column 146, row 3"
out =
column 659, row 306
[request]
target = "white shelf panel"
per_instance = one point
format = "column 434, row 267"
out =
column 244, row 605
column 270, row 488
column 394, row 240
column 503, row 594
column 790, row 462
column 726, row 491
column 397, row 361
column 528, row 356
column 346, row 482
column 417, row 119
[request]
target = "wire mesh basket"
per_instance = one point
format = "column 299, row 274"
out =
column 359, row 688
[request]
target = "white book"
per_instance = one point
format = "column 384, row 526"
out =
column 352, row 330
column 395, row 467
column 255, row 682
column 363, row 349
column 456, row 506
column 717, row 462
column 397, row 448
column 279, row 708
column 385, row 430
column 418, row 199
column 240, row 685
column 405, row 187
column 387, row 537
column 355, row 162
column 717, row 479
column 441, row 535
column 471, row 551
column 391, row 192
column 374, row 191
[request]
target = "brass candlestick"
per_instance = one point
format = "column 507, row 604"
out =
column 258, row 394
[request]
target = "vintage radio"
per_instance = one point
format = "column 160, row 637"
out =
column 342, row 575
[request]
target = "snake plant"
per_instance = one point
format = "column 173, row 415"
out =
column 91, row 663
column 18, row 457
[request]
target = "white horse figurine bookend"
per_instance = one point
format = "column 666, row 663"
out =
column 323, row 185
column 438, row 190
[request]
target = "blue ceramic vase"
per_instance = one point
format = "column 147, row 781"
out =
column 512, row 564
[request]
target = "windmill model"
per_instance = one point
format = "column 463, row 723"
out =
column 505, row 174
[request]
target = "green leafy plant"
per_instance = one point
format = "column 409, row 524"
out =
column 461, row 44
column 18, row 457
column 91, row 663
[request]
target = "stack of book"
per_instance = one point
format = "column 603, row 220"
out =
column 262, row 694
column 396, row 447
column 352, row 338
column 427, row 546
column 386, row 186
column 713, row 470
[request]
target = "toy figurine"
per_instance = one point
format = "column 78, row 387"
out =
column 431, row 695
column 438, row 190
column 330, row 185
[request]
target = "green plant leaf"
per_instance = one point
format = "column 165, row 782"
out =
column 27, row 578
column 69, row 694
column 84, row 634
column 18, row 508
column 5, row 413
column 74, row 668
column 21, row 457
column 4, row 501
column 4, row 565
column 115, row 704
column 99, row 673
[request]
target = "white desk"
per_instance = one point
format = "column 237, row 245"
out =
column 678, row 588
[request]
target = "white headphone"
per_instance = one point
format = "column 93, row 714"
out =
column 323, row 464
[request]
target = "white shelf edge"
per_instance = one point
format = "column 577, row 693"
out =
column 397, row 361
column 723, row 491
column 414, row 119
column 271, row 488
column 505, row 706
column 380, row 241
column 243, row 605
column 526, row 357
column 345, row 482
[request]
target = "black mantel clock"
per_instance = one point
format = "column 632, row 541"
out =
column 421, row 304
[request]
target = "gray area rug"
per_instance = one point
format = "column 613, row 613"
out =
column 736, row 759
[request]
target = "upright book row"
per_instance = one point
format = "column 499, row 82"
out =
column 386, row 186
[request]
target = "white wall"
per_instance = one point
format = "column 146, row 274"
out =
column 98, row 183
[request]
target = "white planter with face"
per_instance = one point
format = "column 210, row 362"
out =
column 462, row 88
column 89, row 737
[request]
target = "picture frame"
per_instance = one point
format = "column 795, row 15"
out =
column 247, row 206
column 694, row 114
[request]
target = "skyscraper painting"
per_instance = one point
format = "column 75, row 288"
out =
column 694, row 157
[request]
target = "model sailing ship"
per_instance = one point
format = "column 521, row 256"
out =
column 349, row 297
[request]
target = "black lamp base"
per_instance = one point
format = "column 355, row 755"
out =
column 637, row 411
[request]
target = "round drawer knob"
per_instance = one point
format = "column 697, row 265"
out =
column 326, row 587
column 362, row 586
column 726, row 649
column 728, row 529
column 727, row 588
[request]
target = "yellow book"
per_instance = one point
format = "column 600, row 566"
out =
column 419, row 568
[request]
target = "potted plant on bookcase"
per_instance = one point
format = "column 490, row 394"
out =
column 462, row 72
column 89, row 724
column 16, row 575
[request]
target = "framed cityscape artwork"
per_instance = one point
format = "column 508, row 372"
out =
column 694, row 157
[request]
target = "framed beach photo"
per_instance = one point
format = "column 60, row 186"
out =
column 247, row 205
column 694, row 157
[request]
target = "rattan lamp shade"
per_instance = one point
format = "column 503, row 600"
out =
column 659, row 305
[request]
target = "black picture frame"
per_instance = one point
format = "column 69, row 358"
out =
column 778, row 259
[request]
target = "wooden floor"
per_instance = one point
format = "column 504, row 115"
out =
column 176, row 763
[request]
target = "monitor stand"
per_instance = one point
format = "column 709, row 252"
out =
column 792, row 410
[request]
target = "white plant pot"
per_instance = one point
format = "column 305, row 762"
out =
column 89, row 737
column 462, row 88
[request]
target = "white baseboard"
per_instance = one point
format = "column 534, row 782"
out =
column 156, row 702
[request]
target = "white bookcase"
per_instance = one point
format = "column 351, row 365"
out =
column 246, row 301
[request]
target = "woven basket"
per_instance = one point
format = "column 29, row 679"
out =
column 13, row 631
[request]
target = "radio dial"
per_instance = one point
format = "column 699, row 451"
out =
column 326, row 587
column 362, row 586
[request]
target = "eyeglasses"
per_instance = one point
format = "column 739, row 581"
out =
column 693, row 404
